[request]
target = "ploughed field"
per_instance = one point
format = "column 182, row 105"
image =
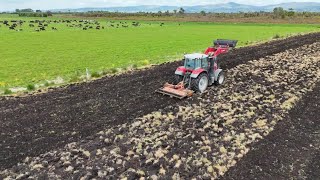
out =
column 118, row 127
column 37, row 50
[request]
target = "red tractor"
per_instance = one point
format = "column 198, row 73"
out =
column 199, row 71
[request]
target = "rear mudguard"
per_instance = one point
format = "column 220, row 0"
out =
column 197, row 72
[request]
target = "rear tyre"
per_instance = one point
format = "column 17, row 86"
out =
column 220, row 79
column 177, row 78
column 200, row 83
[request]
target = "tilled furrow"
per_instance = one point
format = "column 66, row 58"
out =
column 201, row 140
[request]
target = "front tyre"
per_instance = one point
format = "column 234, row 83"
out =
column 177, row 78
column 220, row 78
column 200, row 83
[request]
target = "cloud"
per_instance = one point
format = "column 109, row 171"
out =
column 57, row 4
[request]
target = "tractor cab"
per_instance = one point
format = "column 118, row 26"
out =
column 195, row 61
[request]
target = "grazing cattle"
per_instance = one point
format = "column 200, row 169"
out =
column 11, row 28
column 53, row 28
column 84, row 28
column 136, row 24
column 37, row 30
column 42, row 28
column 98, row 27
column 31, row 25
column 90, row 27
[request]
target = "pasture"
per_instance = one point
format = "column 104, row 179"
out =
column 66, row 47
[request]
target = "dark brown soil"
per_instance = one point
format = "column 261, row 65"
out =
column 35, row 124
column 291, row 151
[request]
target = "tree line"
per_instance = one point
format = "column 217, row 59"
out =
column 277, row 13
column 31, row 13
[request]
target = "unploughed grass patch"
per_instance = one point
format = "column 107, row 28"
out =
column 29, row 57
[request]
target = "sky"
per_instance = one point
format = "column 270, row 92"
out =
column 9, row 5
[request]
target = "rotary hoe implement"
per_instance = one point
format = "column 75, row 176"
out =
column 199, row 71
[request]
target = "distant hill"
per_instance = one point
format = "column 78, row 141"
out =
column 226, row 7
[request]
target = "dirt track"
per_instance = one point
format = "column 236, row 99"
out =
column 33, row 125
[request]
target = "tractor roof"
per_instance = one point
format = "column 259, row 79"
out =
column 195, row 56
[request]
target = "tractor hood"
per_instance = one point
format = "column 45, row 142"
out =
column 195, row 56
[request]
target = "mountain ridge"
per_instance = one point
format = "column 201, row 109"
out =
column 230, row 7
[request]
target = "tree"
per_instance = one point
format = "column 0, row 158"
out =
column 38, row 11
column 203, row 13
column 279, row 12
column 181, row 11
column 175, row 11
column 291, row 12
column 26, row 10
column 49, row 13
column 167, row 13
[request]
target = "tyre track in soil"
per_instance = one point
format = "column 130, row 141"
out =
column 291, row 151
column 35, row 124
